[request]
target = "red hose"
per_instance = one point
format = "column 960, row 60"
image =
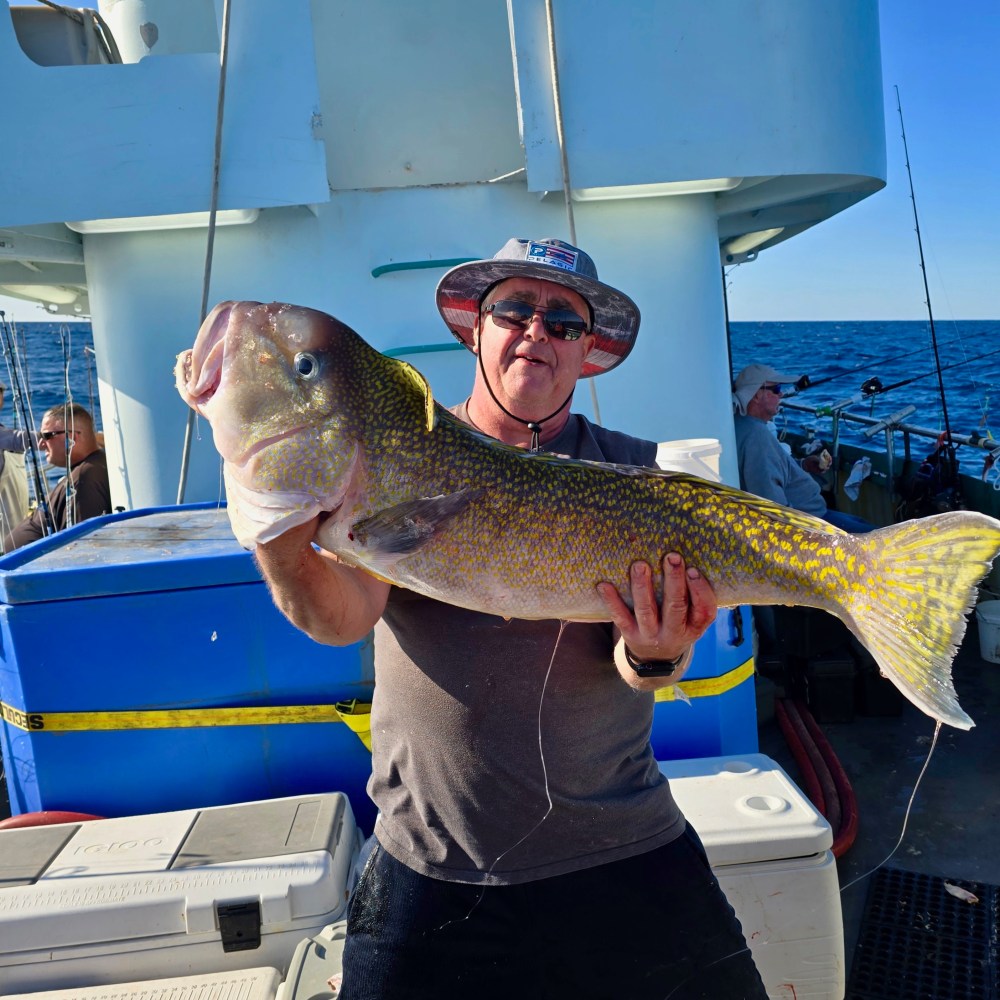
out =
column 44, row 818
column 830, row 797
column 844, row 836
column 810, row 781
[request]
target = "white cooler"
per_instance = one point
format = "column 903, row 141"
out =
column 770, row 850
column 245, row 984
column 171, row 894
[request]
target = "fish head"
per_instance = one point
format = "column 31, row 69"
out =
column 275, row 382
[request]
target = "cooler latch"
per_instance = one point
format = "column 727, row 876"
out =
column 239, row 925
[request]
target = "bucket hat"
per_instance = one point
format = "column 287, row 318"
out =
column 615, row 315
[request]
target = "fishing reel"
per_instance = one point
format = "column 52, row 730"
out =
column 871, row 386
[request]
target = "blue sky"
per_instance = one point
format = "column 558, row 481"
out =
column 864, row 263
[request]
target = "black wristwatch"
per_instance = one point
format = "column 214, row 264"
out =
column 651, row 668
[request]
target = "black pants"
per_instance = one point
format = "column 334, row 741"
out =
column 656, row 926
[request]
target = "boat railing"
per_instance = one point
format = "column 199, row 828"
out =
column 890, row 426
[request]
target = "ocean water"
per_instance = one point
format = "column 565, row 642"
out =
column 840, row 356
column 51, row 362
column 48, row 358
column 837, row 356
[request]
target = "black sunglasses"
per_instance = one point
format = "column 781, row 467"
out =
column 776, row 389
column 512, row 314
column 49, row 435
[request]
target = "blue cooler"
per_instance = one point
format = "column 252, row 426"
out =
column 144, row 668
column 719, row 717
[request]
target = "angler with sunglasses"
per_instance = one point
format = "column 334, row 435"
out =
column 766, row 466
column 69, row 441
column 527, row 844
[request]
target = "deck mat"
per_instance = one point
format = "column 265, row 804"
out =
column 919, row 942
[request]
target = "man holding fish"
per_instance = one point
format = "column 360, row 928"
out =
column 527, row 844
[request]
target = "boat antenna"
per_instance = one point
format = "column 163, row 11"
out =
column 949, row 447
column 212, row 216
column 22, row 412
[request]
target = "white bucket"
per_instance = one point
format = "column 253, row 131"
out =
column 699, row 456
column 988, row 616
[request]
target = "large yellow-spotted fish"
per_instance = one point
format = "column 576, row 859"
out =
column 310, row 418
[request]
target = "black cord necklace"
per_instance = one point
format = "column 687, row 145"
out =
column 534, row 426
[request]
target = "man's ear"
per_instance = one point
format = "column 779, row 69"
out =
column 476, row 332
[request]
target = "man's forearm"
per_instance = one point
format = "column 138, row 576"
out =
column 332, row 603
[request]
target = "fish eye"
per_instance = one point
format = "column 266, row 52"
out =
column 306, row 365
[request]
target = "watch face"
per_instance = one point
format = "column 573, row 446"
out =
column 656, row 668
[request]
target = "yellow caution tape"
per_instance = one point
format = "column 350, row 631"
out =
column 356, row 715
column 707, row 687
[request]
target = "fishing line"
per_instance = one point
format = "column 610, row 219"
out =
column 545, row 777
column 868, row 874
column 906, row 816
column 984, row 397
column 541, row 752
column 700, row 970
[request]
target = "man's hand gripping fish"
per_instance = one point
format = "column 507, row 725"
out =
column 309, row 418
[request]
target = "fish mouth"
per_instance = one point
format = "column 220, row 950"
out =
column 198, row 371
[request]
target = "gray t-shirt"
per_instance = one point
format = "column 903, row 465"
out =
column 768, row 471
column 466, row 709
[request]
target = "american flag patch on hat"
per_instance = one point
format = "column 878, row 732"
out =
column 553, row 255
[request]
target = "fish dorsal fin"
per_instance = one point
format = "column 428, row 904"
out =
column 420, row 383
column 772, row 510
column 408, row 525
column 775, row 511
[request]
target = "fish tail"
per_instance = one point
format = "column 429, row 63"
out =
column 912, row 599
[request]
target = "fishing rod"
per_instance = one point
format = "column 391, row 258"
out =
column 873, row 386
column 65, row 341
column 23, row 412
column 948, row 446
column 813, row 382
column 24, row 361
column 877, row 387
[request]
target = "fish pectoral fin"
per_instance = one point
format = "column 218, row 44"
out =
column 409, row 525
